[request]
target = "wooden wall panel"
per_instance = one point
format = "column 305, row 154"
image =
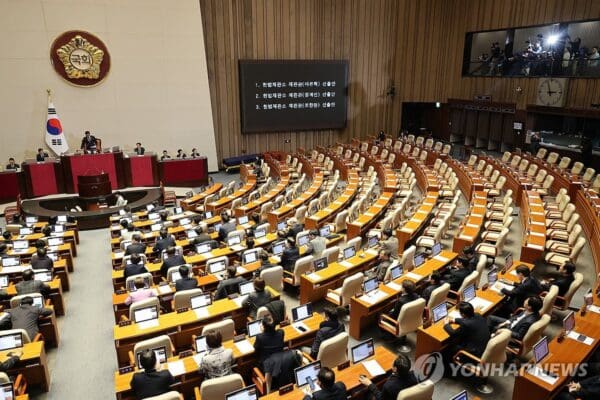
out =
column 418, row 45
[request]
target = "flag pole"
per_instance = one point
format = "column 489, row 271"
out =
column 49, row 94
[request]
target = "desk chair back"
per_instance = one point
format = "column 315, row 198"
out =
column 420, row 391
column 182, row 298
column 155, row 342
column 552, row 158
column 226, row 327
column 217, row 388
column 273, row 277
column 351, row 287
column 356, row 242
column 495, row 351
column 303, row 265
column 588, row 174
column 541, row 153
column 334, row 351
column 410, row 317
column 407, row 260
column 332, row 254
column 172, row 395
column 479, row 269
column 130, row 279
column 575, row 285
column 534, row 334
column 438, row 296
column 549, row 300
column 152, row 301
column 16, row 300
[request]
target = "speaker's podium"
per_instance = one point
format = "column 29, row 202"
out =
column 94, row 189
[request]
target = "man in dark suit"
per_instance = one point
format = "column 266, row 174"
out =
column 185, row 283
column 330, row 389
column 139, row 150
column 265, row 263
column 564, row 280
column 382, row 266
column 294, row 228
column 435, row 281
column 401, row 378
column 457, row 274
column 172, row 260
column 164, row 241
column 585, row 389
column 41, row 155
column 327, row 329
column 150, row 382
column 41, row 260
column 408, row 294
column 520, row 323
column 290, row 255
column 269, row 341
column 12, row 165
column 259, row 298
column 135, row 266
column 203, row 236
column 471, row 334
column 227, row 226
column 230, row 284
column 136, row 246
column 30, row 285
column 528, row 286
column 26, row 316
column 471, row 257
column 88, row 143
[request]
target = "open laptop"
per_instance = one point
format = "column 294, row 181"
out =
column 55, row 241
column 58, row 228
column 469, row 293
column 177, row 210
column 362, row 351
column 320, row 263
column 247, row 393
column 201, row 300
column 4, row 281
column 436, row 249
column 11, row 341
column 370, row 286
column 155, row 227
column 396, row 272
column 200, row 344
column 508, row 261
column 243, row 220
column 203, row 248
column 145, row 314
column 419, row 260
column 190, row 234
column 25, row 231
column 63, row 219
column 325, row 231
column 44, row 276
column 20, row 246
column 11, row 261
column 154, row 216
column 281, row 225
column 303, row 240
column 185, row 221
column 349, row 252
column 250, row 257
column 208, row 214
column 7, row 391
column 246, row 288
column 569, row 322
column 38, row 301
column 278, row 247
column 217, row 268
column 439, row 312
column 308, row 373
column 234, row 240
column 372, row 241
column 259, row 233
column 30, row 220
column 175, row 276
column 301, row 313
column 159, row 352
column 492, row 277
column 253, row 328
column 460, row 396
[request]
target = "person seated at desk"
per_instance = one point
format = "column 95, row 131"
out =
column 164, row 241
column 88, row 143
column 585, row 389
column 280, row 368
column 134, row 267
column 128, row 230
column 13, row 358
column 268, row 342
column 26, row 316
column 40, row 260
column 457, row 274
column 41, row 155
column 150, row 382
column 471, row 258
column 519, row 323
column 435, row 281
column 382, row 266
column 316, row 244
column 172, row 259
column 328, row 328
column 4, row 246
column 139, row 150
column 120, row 201
column 265, row 263
column 471, row 335
column 186, row 282
column 136, row 246
column 294, row 228
column 230, row 283
column 31, row 285
column 203, row 236
column 401, row 378
column 255, row 218
column 563, row 281
column 259, row 298
column 290, row 255
column 140, row 293
column 389, row 242
column 165, row 156
column 180, row 154
column 330, row 389
column 12, row 165
column 250, row 243
column 409, row 293
column 217, row 361
column 194, row 153
column 227, row 226
column 528, row 286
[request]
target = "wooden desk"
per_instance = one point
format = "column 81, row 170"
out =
column 250, row 185
column 534, row 221
column 190, row 203
column 471, row 228
column 363, row 312
column 33, row 365
column 55, row 295
column 410, row 229
column 64, row 251
column 360, row 225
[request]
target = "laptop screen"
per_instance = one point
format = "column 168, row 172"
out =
column 303, row 239
column 233, row 240
column 177, row 210
column 302, row 312
column 155, row 227
column 55, row 241
column 31, row 220
column 38, row 301
column 436, row 249
column 440, row 311
column 372, row 241
column 250, row 257
column 243, row 220
column 260, row 233
column 145, row 314
column 325, row 231
column 63, row 218
column 492, row 276
column 508, row 261
column 203, row 248
column 468, row 293
column 569, row 322
column 540, row 349
column 58, row 228
column 11, row 261
column 150, row 207
column 246, row 288
column 396, row 272
column 154, row 216
column 247, row 393
column 4, row 281
column 208, row 214
column 362, row 351
column 175, row 276
column 184, row 221
column 320, row 263
column 44, row 276
column 11, row 341
column 370, row 284
column 161, row 356
column 191, row 234
column 310, row 371
column 281, row 225
column 216, row 267
column 202, row 300
column 460, row 396
column 349, row 252
column 254, row 327
column 201, row 345
column 21, row 244
column 25, row 231
column 278, row 248
column 132, row 287
column 7, row 391
column 419, row 260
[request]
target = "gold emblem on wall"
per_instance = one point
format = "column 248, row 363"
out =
column 80, row 58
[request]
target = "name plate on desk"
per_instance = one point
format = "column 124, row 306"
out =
column 153, row 323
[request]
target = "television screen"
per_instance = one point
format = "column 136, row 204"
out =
column 290, row 95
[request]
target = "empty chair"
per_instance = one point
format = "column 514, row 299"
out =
column 409, row 320
column 172, row 395
column 340, row 221
column 226, row 327
column 577, row 168
column 588, row 175
column 351, row 286
column 429, row 143
column 420, row 391
column 506, row 156
column 559, row 259
column 446, row 149
column 541, row 153
column 301, row 214
column 333, row 351
column 407, row 259
column 273, row 277
column 438, row 146
column 217, row 388
column 523, row 166
column 495, row 249
column 355, row 242
column 565, row 246
column 515, row 161
column 531, row 171
column 332, row 254
column 419, row 141
column 564, row 163
column 544, row 189
column 552, row 158
column 302, row 266
column 549, row 298
column 182, row 298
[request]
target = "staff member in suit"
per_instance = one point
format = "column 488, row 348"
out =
column 471, row 334
column 528, row 286
column 294, row 228
column 26, row 316
column 259, row 298
column 269, row 341
column 88, row 143
column 139, row 150
column 194, row 153
column 12, row 165
column 290, row 255
column 186, row 282
column 150, row 382
column 41, row 155
column 330, row 389
column 401, row 378
column 172, row 260
column 164, row 241
column 165, row 156
column 203, row 236
column 520, row 323
column 230, row 284
column 563, row 281
column 457, row 274
column 382, row 266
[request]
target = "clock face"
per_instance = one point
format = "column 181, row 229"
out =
column 551, row 92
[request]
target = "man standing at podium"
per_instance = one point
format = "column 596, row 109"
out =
column 88, row 143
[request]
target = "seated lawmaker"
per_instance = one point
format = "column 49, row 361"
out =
column 585, row 389
column 128, row 230
column 41, row 155
column 316, row 244
column 134, row 267
column 563, row 281
column 194, row 153
column 268, row 342
column 165, row 156
column 401, row 378
column 140, row 293
column 227, row 226
column 202, row 235
column 528, row 286
column 294, row 228
column 26, row 316
column 435, row 281
column 290, row 255
column 328, row 328
column 164, row 241
column 136, row 246
column 519, row 323
column 151, row 381
column 181, row 154
column 31, row 285
column 389, row 242
column 217, row 361
column 139, row 150
column 382, row 266
column 12, row 165
column 265, row 263
column 330, row 389
column 40, row 260
column 259, row 298
column 471, row 334
column 409, row 293
column 457, row 274
column 88, row 143
column 230, row 283
column 185, row 282
column 172, row 259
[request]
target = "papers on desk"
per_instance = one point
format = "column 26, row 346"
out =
column 372, row 252
column 119, row 254
column 244, row 346
column 498, row 286
column 346, row 264
column 480, row 304
column 176, row 368
column 240, row 300
column 594, row 309
column 395, row 287
column 153, row 323
column 373, row 368
column 543, row 375
column 369, row 214
column 237, row 247
column 373, row 297
column 454, row 314
column 50, row 248
column 241, row 270
column 201, row 312
column 164, row 289
column 314, row 276
column 442, row 259
column 580, row 338
column 12, row 270
column 414, row 276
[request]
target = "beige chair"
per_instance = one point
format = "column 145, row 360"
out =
column 407, row 259
column 549, row 298
column 150, row 344
column 577, row 168
column 333, row 351
column 273, row 277
column 506, row 156
column 172, row 395
column 552, row 158
column 420, row 391
column 563, row 303
column 332, row 254
column 544, row 189
column 351, row 286
column 541, row 153
column 563, row 232
column 446, row 149
column 355, row 242
column 130, row 279
column 438, row 146
column 559, row 259
column 493, row 250
column 481, row 263
column 302, row 266
column 494, row 354
column 340, row 221
column 438, row 296
column 469, row 280
column 532, row 170
column 564, row 163
column 226, row 327
column 182, row 298
column 152, row 301
column 301, row 214
column 409, row 320
column 23, row 332
column 562, row 246
column 217, row 388
column 521, row 348
column 588, row 175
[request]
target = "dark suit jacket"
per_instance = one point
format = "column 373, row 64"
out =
column 163, row 244
column 563, row 282
column 456, row 277
column 471, row 335
column 186, row 284
column 289, row 258
column 337, row 392
column 256, row 300
column 426, row 294
column 327, row 330
column 26, row 287
column 590, row 388
column 521, row 328
column 139, row 151
column 228, row 286
column 294, row 230
column 42, row 263
column 26, row 317
column 152, row 383
column 402, row 301
column 134, row 269
column 393, row 386
column 135, row 248
column 172, row 261
column 201, row 238
column 529, row 287
column 225, row 229
column 268, row 343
